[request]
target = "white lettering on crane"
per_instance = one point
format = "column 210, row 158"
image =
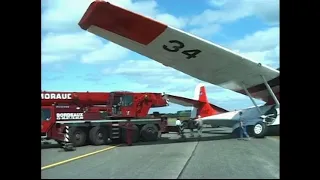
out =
column 63, row 116
column 56, row 96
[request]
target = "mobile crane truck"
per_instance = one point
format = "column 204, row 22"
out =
column 82, row 118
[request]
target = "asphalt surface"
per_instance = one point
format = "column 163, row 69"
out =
column 53, row 153
column 214, row 156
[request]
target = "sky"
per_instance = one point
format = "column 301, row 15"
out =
column 76, row 60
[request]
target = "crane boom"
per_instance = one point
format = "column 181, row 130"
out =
column 84, row 98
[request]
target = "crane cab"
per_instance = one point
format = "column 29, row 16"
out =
column 46, row 119
column 122, row 104
column 49, row 128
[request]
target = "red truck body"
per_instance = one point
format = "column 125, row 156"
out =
column 134, row 105
column 95, row 117
column 81, row 98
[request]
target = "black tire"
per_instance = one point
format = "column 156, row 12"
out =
column 185, row 124
column 98, row 136
column 136, row 134
column 59, row 142
column 77, row 136
column 149, row 132
column 214, row 126
column 258, row 130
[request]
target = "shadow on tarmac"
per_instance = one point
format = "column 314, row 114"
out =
column 167, row 140
column 50, row 145
column 174, row 138
column 219, row 134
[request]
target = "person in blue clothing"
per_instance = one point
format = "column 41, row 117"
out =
column 243, row 129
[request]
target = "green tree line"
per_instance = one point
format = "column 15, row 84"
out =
column 185, row 113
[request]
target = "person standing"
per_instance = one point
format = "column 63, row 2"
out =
column 191, row 126
column 129, row 132
column 178, row 125
column 243, row 129
column 199, row 125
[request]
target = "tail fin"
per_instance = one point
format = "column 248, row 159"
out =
column 205, row 109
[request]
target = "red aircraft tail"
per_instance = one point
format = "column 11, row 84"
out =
column 204, row 109
column 200, row 104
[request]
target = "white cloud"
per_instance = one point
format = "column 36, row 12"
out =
column 210, row 20
column 261, row 46
column 206, row 31
column 63, row 39
column 149, row 72
column 259, row 41
column 217, row 3
column 45, row 58
column 60, row 47
column 177, row 22
column 61, row 43
column 268, row 57
column 227, row 11
column 63, row 16
column 109, row 52
column 145, row 7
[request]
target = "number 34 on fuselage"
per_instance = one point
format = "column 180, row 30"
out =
column 178, row 46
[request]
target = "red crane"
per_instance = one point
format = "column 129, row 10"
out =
column 117, row 104
column 98, row 116
column 79, row 98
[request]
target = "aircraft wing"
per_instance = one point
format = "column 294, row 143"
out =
column 180, row 50
column 189, row 102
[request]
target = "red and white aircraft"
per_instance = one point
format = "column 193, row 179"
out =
column 194, row 56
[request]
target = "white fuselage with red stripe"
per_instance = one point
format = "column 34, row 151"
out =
column 216, row 116
column 250, row 116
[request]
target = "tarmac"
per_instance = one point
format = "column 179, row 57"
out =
column 215, row 155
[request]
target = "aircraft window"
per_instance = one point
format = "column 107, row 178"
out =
column 45, row 114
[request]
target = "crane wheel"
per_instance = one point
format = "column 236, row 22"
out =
column 59, row 142
column 98, row 135
column 149, row 132
column 185, row 124
column 214, row 126
column 77, row 136
column 135, row 134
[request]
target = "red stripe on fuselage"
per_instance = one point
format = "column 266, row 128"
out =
column 271, row 101
column 272, row 83
column 260, row 91
column 122, row 22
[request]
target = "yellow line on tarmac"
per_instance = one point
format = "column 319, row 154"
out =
column 77, row 157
